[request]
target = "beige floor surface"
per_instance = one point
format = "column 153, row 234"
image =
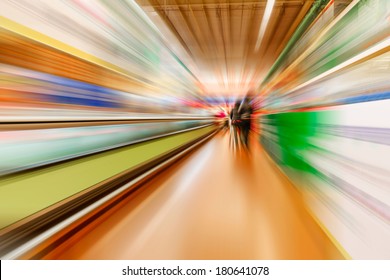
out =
column 214, row 204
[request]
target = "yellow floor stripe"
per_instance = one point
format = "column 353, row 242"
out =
column 24, row 194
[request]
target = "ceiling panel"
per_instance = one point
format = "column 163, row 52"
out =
column 220, row 37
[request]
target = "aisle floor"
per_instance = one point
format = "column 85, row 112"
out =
column 215, row 203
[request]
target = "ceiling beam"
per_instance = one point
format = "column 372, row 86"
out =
column 305, row 8
column 165, row 18
column 218, row 4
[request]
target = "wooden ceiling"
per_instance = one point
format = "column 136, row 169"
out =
column 220, row 36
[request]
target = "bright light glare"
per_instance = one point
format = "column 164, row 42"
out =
column 264, row 22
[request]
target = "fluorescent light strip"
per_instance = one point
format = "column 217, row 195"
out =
column 316, row 41
column 378, row 47
column 264, row 22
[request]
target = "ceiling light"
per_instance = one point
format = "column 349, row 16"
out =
column 264, row 22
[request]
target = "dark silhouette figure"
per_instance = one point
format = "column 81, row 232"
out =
column 245, row 112
column 241, row 118
column 234, row 114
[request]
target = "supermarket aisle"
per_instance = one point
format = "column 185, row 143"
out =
column 213, row 204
